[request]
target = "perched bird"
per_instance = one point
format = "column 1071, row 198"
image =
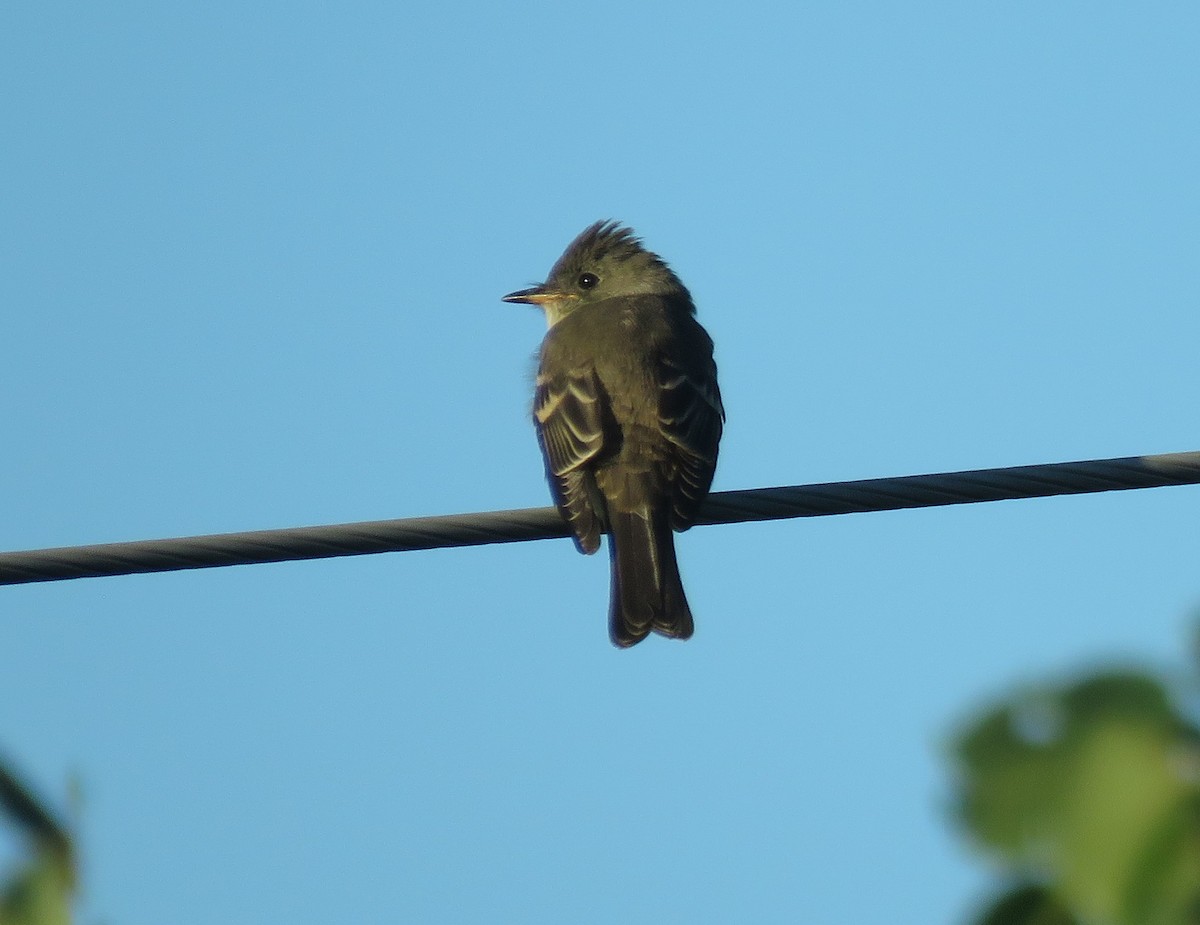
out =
column 628, row 416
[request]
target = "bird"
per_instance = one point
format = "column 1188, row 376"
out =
column 628, row 416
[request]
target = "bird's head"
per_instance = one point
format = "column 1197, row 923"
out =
column 606, row 261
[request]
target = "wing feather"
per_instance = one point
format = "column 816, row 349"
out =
column 569, row 412
column 692, row 417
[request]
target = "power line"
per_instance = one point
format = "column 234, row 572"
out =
column 544, row 523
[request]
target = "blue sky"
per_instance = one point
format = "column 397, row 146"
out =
column 253, row 255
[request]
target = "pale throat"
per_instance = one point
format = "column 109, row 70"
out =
column 554, row 312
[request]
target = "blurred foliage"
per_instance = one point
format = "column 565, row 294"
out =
column 1088, row 796
column 40, row 891
column 1031, row 904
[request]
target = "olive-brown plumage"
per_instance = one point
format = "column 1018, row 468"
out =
column 628, row 416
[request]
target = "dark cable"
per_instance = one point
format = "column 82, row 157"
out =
column 544, row 523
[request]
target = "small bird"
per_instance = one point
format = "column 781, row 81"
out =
column 628, row 416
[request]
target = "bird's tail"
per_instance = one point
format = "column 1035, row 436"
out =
column 647, row 593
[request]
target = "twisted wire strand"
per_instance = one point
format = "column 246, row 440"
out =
column 726, row 507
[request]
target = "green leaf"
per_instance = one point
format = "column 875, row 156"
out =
column 42, row 890
column 1092, row 790
column 1032, row 904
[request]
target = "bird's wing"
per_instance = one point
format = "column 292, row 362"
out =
column 569, row 411
column 691, row 416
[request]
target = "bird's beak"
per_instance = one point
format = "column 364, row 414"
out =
column 537, row 295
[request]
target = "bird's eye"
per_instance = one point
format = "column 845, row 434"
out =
column 588, row 281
